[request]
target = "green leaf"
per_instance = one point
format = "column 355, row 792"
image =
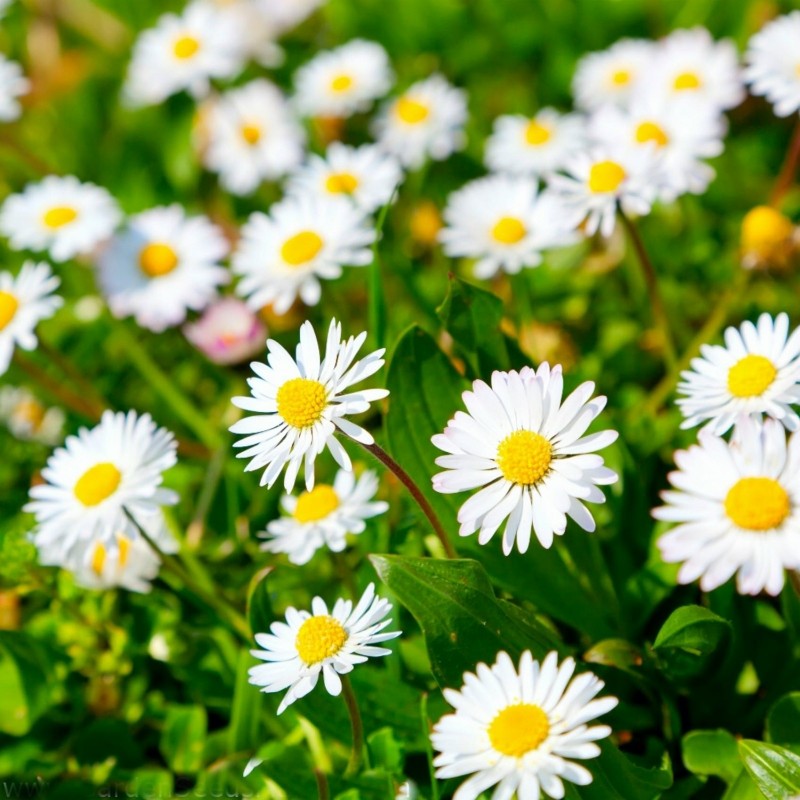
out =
column 775, row 770
column 694, row 629
column 244, row 730
column 259, row 606
column 385, row 751
column 23, row 682
column 783, row 720
column 615, row 653
column 616, row 777
column 183, row 738
column 151, row 783
column 743, row 788
column 712, row 753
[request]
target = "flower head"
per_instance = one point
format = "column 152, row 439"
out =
column 13, row 84
column 773, row 63
column 769, row 239
column 228, row 332
column 28, row 418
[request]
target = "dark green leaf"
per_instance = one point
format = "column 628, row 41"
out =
column 694, row 629
column 244, row 730
column 259, row 607
column 783, row 720
column 775, row 770
column 712, row 753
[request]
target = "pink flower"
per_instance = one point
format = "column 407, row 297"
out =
column 228, row 332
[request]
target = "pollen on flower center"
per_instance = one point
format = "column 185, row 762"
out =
column 341, row 83
column 687, row 80
column 535, row 133
column 301, row 248
column 8, row 308
column 97, row 484
column 621, row 77
column 508, row 230
column 751, row 376
column 185, row 47
column 412, row 112
column 757, row 504
column 251, row 133
column 651, row 132
column 605, row 176
column 518, row 729
column 320, row 638
column 317, row 504
column 59, row 216
column 157, row 259
column 524, row 457
column 341, row 183
column 301, row 402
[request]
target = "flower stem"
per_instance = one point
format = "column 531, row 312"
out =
column 789, row 168
column 412, row 487
column 356, row 725
column 426, row 735
column 322, row 784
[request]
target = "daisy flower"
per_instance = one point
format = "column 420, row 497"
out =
column 324, row 516
column 504, row 223
column 252, row 136
column 518, row 728
column 757, row 371
column 768, row 239
column 426, row 121
column 61, row 215
column 344, row 81
column 257, row 34
column 283, row 255
column 283, row 15
column 28, row 419
column 366, row 175
column 162, row 265
column 4, row 4
column 25, row 300
column 228, row 332
column 737, row 506
column 13, row 84
column 773, row 63
column 534, row 146
column 525, row 450
column 323, row 642
column 94, row 477
column 298, row 403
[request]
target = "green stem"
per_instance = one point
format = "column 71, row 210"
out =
column 377, row 300
column 426, row 736
column 322, row 784
column 356, row 726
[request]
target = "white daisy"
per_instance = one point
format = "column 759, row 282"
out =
column 504, row 223
column 534, row 146
column 97, row 474
column 327, row 642
column 13, row 84
column 162, row 265
column 298, row 404
column 4, row 4
column 344, row 81
column 252, row 136
column 25, row 300
column 773, row 63
column 283, row 255
column 426, row 121
column 324, row 516
column 737, row 506
column 517, row 729
column 61, row 215
column 255, row 31
column 27, row 418
column 283, row 15
column 366, row 175
column 526, row 452
column 757, row 371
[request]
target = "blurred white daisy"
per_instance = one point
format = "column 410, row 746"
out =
column 534, row 146
column 504, row 223
column 426, row 121
column 283, row 255
column 757, row 371
column 737, row 506
column 283, row 15
column 773, row 63
column 118, row 464
column 4, row 4
column 60, row 215
column 344, row 81
column 25, row 300
column 162, row 265
column 365, row 174
column 518, row 729
column 27, row 418
column 256, row 33
column 252, row 136
column 13, row 84
column 228, row 332
column 324, row 516
column 298, row 404
column 323, row 642
column 526, row 451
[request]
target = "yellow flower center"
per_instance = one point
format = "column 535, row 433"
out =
column 621, row 77
column 301, row 402
column 537, row 134
column 605, row 176
column 508, row 230
column 750, row 376
column 8, row 308
column 764, row 230
column 412, row 112
column 99, row 559
column 341, row 83
column 59, row 216
column 757, row 504
column 524, row 457
column 157, row 259
column 687, row 80
column 341, row 183
column 319, row 638
column 185, row 47
column 301, row 248
column 317, row 504
column 97, row 483
column 251, row 133
column 518, row 729
column 650, row 132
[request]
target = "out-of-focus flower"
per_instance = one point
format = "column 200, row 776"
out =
column 13, row 84
column 27, row 418
column 4, row 4
column 543, row 341
column 228, row 332
column 425, row 224
column 769, row 239
column 612, row 75
column 773, row 63
column 283, row 15
column 255, row 31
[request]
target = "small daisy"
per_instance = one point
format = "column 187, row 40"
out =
column 324, row 516
column 25, row 300
column 162, row 265
column 283, row 255
column 366, row 175
column 252, row 137
column 28, row 419
column 526, row 452
column 757, row 371
column 256, row 33
column 228, row 332
column 330, row 643
column 344, row 81
column 298, row 404
column 61, row 215
column 737, row 506
column 283, row 15
column 612, row 75
column 773, row 63
column 517, row 729
column 13, row 84
column 94, row 477
column 504, row 223
column 534, row 146
column 427, row 120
